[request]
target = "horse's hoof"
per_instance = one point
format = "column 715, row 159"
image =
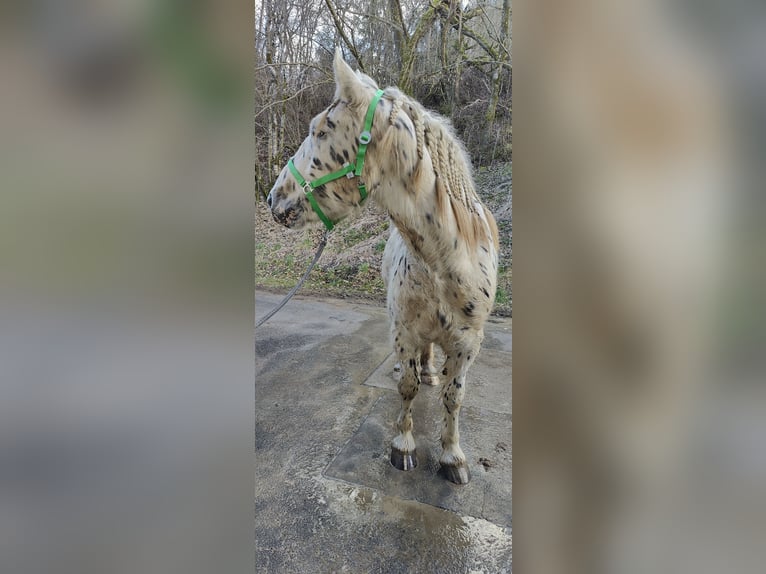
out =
column 403, row 460
column 456, row 473
column 429, row 379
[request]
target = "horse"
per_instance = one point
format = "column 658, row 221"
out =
column 440, row 261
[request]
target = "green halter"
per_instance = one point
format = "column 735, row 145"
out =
column 350, row 170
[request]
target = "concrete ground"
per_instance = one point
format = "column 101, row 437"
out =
column 326, row 497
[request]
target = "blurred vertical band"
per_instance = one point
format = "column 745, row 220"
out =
column 639, row 404
column 126, row 346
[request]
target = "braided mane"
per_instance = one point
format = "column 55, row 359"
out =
column 455, row 189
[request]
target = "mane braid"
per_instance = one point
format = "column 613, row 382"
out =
column 434, row 134
column 455, row 191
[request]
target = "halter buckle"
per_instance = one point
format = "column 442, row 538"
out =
column 350, row 174
column 365, row 137
column 307, row 188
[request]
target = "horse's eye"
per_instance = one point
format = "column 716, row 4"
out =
column 321, row 134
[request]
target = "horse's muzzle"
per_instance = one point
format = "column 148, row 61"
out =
column 287, row 216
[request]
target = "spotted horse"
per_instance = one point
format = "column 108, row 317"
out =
column 440, row 261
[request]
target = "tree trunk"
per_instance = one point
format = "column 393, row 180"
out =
column 458, row 61
column 505, row 29
column 339, row 26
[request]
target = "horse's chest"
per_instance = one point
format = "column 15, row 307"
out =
column 412, row 291
column 421, row 302
column 410, row 285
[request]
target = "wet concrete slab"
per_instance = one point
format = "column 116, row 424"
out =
column 313, row 408
column 485, row 439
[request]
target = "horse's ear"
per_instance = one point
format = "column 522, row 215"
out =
column 348, row 86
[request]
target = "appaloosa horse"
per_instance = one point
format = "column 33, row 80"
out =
column 440, row 262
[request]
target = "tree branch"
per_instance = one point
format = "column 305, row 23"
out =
column 479, row 39
column 339, row 27
column 287, row 99
column 396, row 13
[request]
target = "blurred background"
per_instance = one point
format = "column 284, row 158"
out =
column 126, row 347
column 639, row 397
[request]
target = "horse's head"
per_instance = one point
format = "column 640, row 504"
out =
column 324, row 165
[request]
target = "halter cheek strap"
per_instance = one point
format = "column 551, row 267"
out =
column 350, row 170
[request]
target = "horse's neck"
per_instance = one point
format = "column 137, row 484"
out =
column 434, row 240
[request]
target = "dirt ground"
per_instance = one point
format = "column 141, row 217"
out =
column 350, row 264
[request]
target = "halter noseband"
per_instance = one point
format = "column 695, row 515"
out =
column 349, row 170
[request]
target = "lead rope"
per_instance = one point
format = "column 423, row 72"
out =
column 298, row 286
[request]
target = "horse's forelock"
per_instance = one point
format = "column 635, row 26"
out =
column 400, row 144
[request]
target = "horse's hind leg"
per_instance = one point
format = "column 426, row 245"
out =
column 428, row 371
column 403, row 454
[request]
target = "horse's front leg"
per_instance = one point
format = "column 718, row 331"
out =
column 403, row 454
column 453, row 460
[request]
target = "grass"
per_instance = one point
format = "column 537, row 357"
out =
column 344, row 280
column 501, row 297
column 355, row 236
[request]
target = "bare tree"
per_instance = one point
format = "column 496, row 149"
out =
column 454, row 56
